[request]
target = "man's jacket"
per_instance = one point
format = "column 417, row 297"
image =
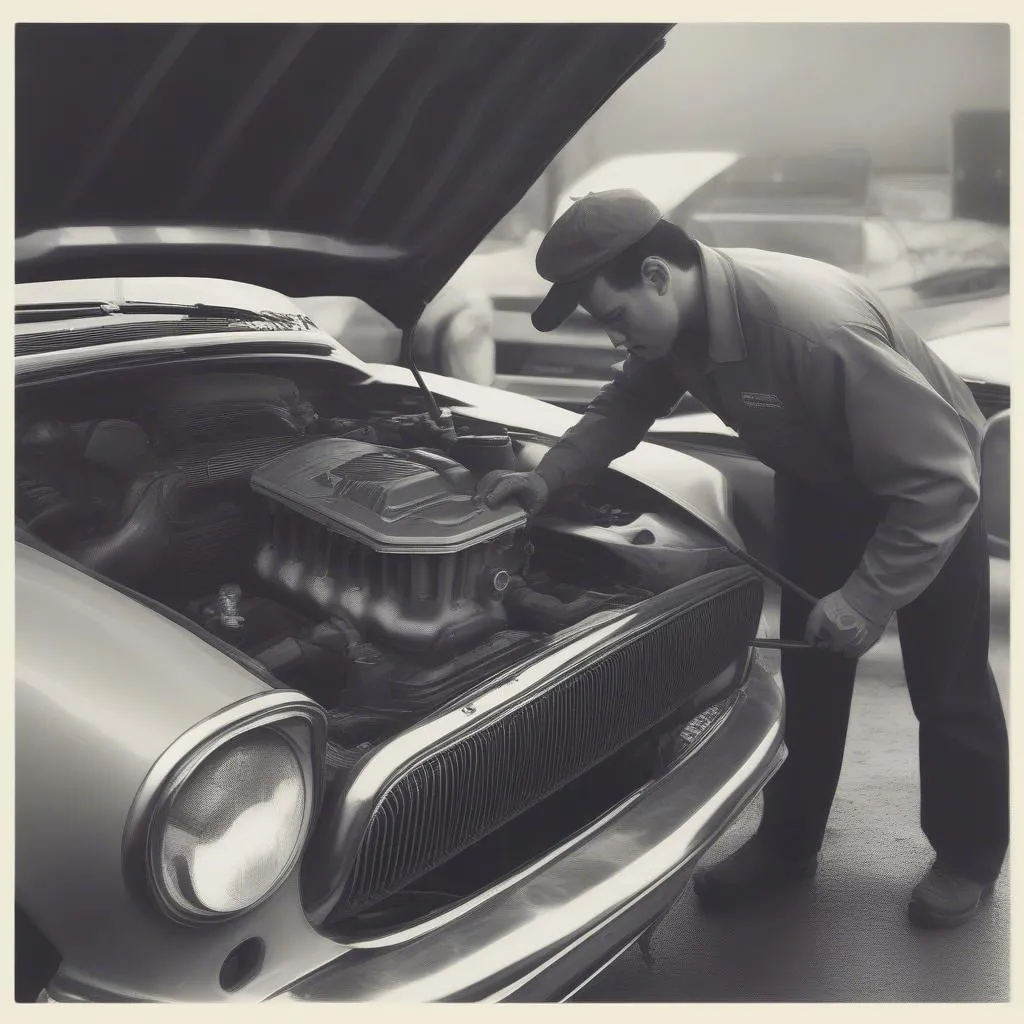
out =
column 823, row 383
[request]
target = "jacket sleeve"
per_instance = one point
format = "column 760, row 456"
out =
column 613, row 424
column 908, row 445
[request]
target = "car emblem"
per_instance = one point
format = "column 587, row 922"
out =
column 760, row 400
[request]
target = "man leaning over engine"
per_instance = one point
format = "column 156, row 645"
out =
column 875, row 445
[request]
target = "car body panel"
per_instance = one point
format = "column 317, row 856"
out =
column 93, row 712
column 694, row 189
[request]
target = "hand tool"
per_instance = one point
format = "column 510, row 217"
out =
column 769, row 573
column 781, row 645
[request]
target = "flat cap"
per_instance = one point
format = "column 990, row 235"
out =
column 594, row 230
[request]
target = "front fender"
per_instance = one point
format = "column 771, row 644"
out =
column 104, row 685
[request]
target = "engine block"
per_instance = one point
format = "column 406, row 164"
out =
column 391, row 540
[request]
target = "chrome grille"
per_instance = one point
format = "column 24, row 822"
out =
column 484, row 780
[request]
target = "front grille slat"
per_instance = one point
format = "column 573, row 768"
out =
column 484, row 780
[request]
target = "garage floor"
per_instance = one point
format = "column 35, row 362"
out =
column 846, row 937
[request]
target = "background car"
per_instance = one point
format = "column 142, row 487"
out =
column 297, row 717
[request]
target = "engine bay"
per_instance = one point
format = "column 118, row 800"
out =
column 331, row 533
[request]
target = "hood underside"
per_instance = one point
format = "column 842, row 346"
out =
column 357, row 159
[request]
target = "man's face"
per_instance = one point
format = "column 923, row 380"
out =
column 643, row 319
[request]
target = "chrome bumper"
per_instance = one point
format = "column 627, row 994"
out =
column 545, row 937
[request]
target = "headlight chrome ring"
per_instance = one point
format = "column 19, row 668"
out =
column 199, row 838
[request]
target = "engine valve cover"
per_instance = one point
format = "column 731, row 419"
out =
column 393, row 500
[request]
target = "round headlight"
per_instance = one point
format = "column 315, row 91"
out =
column 232, row 829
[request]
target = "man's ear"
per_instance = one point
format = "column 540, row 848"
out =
column 654, row 273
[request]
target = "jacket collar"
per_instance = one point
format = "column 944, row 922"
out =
column 726, row 343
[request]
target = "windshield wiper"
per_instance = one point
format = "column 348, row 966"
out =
column 41, row 312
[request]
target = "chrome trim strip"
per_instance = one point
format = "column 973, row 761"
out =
column 179, row 760
column 590, row 977
column 580, row 940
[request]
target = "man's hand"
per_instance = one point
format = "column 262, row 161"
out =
column 835, row 625
column 529, row 489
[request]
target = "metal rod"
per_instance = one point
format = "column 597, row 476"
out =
column 767, row 571
column 407, row 359
column 781, row 645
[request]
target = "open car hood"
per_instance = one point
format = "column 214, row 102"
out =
column 358, row 159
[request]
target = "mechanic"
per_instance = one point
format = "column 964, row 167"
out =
column 875, row 445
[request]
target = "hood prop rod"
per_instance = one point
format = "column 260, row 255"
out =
column 406, row 359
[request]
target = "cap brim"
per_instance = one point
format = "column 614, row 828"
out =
column 556, row 306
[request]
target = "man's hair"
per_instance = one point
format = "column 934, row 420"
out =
column 669, row 241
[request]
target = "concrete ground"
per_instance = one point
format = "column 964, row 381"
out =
column 845, row 937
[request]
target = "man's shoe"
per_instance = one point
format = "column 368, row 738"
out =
column 753, row 870
column 943, row 899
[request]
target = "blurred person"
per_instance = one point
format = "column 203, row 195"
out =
column 875, row 445
column 454, row 336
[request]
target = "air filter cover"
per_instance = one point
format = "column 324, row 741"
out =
column 395, row 500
